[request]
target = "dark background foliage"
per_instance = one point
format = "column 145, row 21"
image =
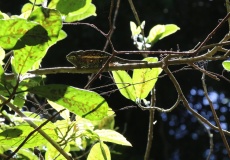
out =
column 177, row 135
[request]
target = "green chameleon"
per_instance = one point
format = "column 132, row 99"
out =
column 95, row 59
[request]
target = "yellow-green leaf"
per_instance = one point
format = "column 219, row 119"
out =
column 112, row 136
column 84, row 103
column 17, row 135
column 65, row 114
column 124, row 84
column 134, row 29
column 2, row 55
column 69, row 6
column 160, row 31
column 91, row 11
column 74, row 10
column 16, row 33
column 53, row 153
column 98, row 151
column 226, row 65
column 145, row 79
column 33, row 46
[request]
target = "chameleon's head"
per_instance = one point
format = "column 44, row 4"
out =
column 75, row 58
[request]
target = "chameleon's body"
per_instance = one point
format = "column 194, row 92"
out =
column 95, row 59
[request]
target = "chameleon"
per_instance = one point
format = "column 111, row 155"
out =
column 95, row 59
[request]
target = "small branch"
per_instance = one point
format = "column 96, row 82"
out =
column 210, row 135
column 161, row 109
column 112, row 25
column 186, row 104
column 210, row 35
column 151, row 126
column 215, row 115
column 108, row 37
column 227, row 3
column 205, row 72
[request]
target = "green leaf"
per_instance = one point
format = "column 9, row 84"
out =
column 27, row 9
column 37, row 2
column 25, row 154
column 64, row 114
column 14, row 136
column 19, row 99
column 2, row 75
column 145, row 79
column 32, row 48
column 91, row 11
column 226, row 65
column 134, row 29
column 62, row 35
column 169, row 29
column 2, row 55
column 3, row 15
column 65, row 7
column 107, row 122
column 96, row 152
column 155, row 33
column 74, row 10
column 84, row 103
column 53, row 153
column 112, row 136
column 158, row 32
column 124, row 84
column 16, row 33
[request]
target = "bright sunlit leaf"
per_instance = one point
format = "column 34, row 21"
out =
column 32, row 47
column 160, row 31
column 64, row 114
column 53, row 153
column 18, row 133
column 124, row 84
column 13, row 30
column 91, row 11
column 62, row 6
column 169, row 29
column 37, row 2
column 112, row 136
column 2, row 55
column 74, row 10
column 226, row 65
column 136, row 30
column 82, row 102
column 145, row 79
column 97, row 152
column 26, row 154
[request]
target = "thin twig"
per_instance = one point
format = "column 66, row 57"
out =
column 108, row 37
column 210, row 35
column 151, row 126
column 185, row 102
column 112, row 25
column 162, row 109
column 227, row 3
column 205, row 72
column 215, row 116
